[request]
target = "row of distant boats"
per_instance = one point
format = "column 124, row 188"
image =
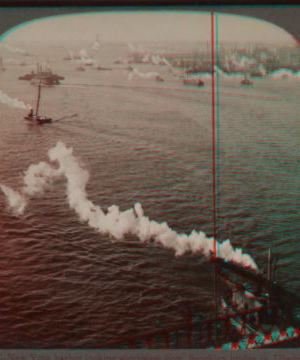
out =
column 48, row 78
column 39, row 120
column 45, row 77
column 198, row 82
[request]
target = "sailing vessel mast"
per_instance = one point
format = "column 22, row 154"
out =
column 38, row 100
column 36, row 118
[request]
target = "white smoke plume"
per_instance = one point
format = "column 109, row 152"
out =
column 84, row 58
column 242, row 63
column 159, row 60
column 16, row 50
column 14, row 103
column 283, row 73
column 15, row 200
column 97, row 44
column 71, row 54
column 148, row 75
column 155, row 59
column 36, row 179
column 146, row 59
column 83, row 53
column 131, row 47
column 114, row 222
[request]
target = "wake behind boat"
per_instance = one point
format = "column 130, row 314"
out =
column 36, row 118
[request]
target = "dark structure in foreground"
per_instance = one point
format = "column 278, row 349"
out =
column 254, row 312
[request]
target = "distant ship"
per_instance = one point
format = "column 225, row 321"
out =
column 192, row 82
column 98, row 67
column 80, row 68
column 45, row 76
column 36, row 118
column 159, row 78
column 246, row 81
column 96, row 45
column 67, row 58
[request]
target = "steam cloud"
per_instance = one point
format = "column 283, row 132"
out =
column 16, row 50
column 15, row 103
column 82, row 58
column 16, row 201
column 97, row 44
column 113, row 222
column 155, row 60
column 148, row 75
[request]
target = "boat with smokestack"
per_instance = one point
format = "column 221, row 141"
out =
column 190, row 81
column 46, row 76
column 36, row 118
column 99, row 67
column 159, row 78
column 246, row 81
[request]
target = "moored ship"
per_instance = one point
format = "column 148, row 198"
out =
column 45, row 76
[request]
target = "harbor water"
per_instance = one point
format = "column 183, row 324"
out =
column 65, row 284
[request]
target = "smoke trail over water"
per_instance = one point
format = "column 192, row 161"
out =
column 113, row 221
column 16, row 50
column 16, row 201
column 38, row 177
column 15, row 103
column 148, row 75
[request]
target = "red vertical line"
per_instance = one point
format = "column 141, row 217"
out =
column 213, row 131
column 218, row 133
column 214, row 167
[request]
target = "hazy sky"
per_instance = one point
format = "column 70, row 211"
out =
column 128, row 26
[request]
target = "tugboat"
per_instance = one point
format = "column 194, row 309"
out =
column 192, row 82
column 36, row 118
column 159, row 78
column 246, row 81
column 99, row 67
